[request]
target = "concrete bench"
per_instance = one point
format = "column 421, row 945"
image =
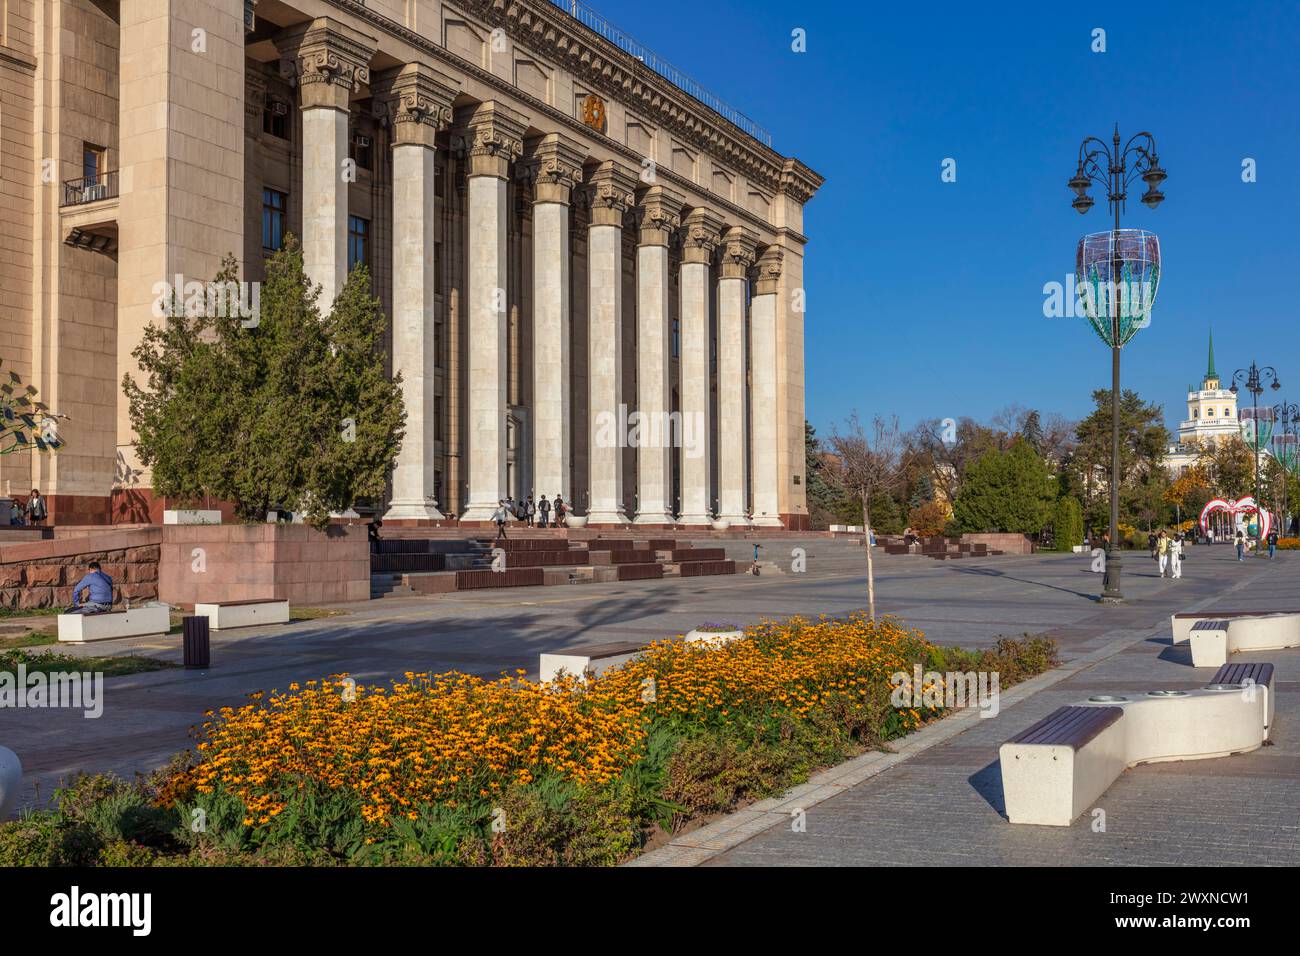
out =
column 586, row 661
column 152, row 621
column 1212, row 641
column 229, row 615
column 1181, row 624
column 1055, row 769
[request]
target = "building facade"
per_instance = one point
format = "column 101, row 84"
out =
column 592, row 269
column 1211, row 417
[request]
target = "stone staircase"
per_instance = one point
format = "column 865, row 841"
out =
column 405, row 565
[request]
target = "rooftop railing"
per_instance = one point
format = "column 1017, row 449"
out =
column 593, row 21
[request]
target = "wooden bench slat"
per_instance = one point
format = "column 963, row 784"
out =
column 1261, row 674
column 1071, row 726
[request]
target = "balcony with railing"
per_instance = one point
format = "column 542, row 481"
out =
column 78, row 192
column 599, row 25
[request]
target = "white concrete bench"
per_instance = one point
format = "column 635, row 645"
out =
column 1212, row 641
column 149, row 621
column 1054, row 770
column 243, row 614
column 586, row 661
column 1181, row 624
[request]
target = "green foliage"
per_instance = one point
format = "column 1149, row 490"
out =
column 684, row 772
column 293, row 412
column 1142, row 447
column 1007, row 491
column 1067, row 523
column 26, row 424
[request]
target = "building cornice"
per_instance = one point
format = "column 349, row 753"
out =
column 541, row 28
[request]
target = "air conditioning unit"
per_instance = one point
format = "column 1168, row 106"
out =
column 363, row 142
column 94, row 193
column 279, row 108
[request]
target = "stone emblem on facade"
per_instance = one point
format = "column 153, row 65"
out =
column 593, row 112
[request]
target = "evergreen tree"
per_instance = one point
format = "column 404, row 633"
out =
column 294, row 411
column 1008, row 490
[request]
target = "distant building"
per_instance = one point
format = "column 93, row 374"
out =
column 1211, row 416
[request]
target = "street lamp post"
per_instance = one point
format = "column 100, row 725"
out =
column 1115, row 169
column 1255, row 379
column 1288, row 414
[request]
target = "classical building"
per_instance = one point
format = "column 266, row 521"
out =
column 1211, row 416
column 593, row 268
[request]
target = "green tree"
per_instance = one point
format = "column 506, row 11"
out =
column 1067, row 523
column 1143, row 443
column 1008, row 490
column 291, row 411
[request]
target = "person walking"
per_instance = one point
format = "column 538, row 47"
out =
column 100, row 592
column 1162, row 551
column 1209, row 534
column 1272, row 543
column 560, row 511
column 499, row 516
column 543, row 511
column 35, row 508
column 530, row 510
column 1241, row 546
column 1176, row 557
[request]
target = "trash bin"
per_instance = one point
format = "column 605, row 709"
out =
column 195, row 636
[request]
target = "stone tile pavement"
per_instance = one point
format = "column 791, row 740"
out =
column 939, row 800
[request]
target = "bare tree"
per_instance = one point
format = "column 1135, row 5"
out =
column 869, row 466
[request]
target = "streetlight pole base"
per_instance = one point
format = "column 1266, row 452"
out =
column 1110, row 593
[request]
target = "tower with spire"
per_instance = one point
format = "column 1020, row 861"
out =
column 1211, row 416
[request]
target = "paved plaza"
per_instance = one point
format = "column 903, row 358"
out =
column 938, row 805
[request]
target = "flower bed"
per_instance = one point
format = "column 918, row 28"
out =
column 451, row 768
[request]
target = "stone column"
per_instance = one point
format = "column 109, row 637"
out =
column 611, row 195
column 494, row 138
column 701, row 234
column 419, row 105
column 658, row 215
column 332, row 64
column 556, row 167
column 738, row 246
column 763, row 358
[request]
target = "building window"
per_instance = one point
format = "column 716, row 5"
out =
column 274, row 205
column 677, row 338
column 358, row 242
column 275, row 118
column 92, row 163
column 362, row 151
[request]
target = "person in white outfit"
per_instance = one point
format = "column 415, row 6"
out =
column 1176, row 556
column 1162, row 550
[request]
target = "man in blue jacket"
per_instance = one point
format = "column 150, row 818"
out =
column 100, row 598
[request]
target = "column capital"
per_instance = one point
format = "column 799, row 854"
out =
column 418, row 99
column 701, row 234
column 331, row 61
column 493, row 135
column 769, row 271
column 554, row 166
column 611, row 188
column 659, row 214
column 739, row 243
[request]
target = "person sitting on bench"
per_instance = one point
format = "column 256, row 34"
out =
column 100, row 586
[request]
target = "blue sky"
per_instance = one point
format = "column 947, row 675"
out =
column 924, row 297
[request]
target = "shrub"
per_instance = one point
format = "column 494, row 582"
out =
column 1067, row 523
column 451, row 769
